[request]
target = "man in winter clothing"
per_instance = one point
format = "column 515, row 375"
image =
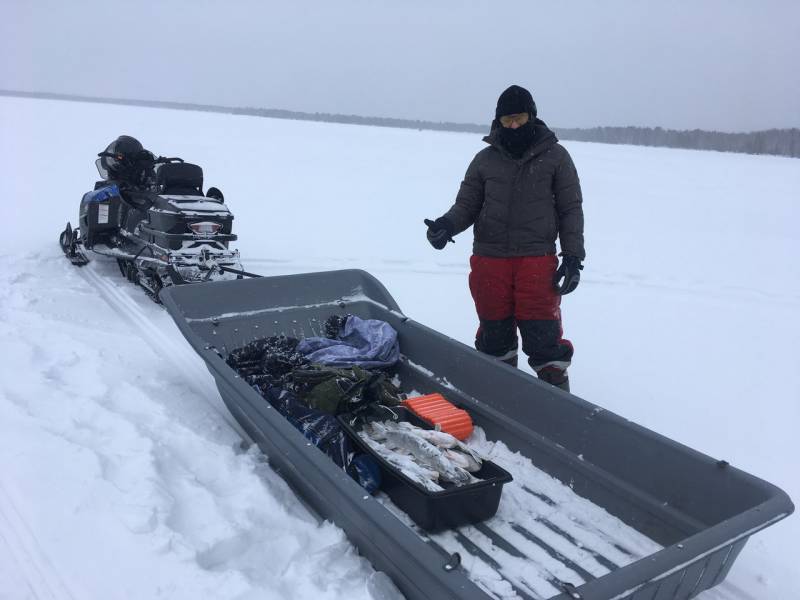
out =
column 520, row 194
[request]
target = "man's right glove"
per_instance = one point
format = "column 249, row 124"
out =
column 570, row 272
column 440, row 232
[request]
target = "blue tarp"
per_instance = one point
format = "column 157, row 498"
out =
column 366, row 343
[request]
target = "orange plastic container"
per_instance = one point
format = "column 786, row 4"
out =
column 442, row 414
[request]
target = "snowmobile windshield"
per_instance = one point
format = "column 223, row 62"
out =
column 101, row 168
column 119, row 158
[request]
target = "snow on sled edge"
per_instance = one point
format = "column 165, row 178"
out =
column 702, row 510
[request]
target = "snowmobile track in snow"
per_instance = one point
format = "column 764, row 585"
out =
column 172, row 349
column 33, row 564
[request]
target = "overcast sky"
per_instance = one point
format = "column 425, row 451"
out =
column 730, row 65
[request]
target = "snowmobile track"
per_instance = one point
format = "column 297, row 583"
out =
column 172, row 349
column 34, row 566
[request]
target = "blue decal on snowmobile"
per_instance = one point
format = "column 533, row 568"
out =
column 103, row 194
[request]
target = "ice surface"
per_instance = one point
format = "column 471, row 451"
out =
column 120, row 473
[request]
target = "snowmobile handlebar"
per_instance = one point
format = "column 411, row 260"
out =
column 143, row 157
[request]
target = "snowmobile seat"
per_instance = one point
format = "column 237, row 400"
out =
column 180, row 179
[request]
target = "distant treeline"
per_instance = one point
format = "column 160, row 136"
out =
column 782, row 142
column 272, row 113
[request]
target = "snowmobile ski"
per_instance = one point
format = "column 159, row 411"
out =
column 69, row 241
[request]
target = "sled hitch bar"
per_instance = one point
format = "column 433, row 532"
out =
column 237, row 272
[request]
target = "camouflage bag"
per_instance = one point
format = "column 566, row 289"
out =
column 339, row 390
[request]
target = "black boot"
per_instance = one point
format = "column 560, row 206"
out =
column 555, row 376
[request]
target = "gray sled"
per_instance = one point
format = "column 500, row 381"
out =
column 699, row 509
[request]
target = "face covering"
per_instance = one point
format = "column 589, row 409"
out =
column 516, row 141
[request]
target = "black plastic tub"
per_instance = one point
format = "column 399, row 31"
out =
column 437, row 510
column 699, row 510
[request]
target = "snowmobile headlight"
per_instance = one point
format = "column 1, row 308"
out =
column 205, row 228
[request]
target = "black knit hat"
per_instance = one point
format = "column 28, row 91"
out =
column 515, row 100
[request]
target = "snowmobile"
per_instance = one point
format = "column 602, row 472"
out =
column 150, row 214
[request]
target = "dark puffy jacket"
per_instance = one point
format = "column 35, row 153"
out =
column 520, row 206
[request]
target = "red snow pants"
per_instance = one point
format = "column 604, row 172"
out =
column 517, row 293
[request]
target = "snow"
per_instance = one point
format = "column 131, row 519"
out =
column 121, row 473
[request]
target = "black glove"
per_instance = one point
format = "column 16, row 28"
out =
column 440, row 232
column 570, row 272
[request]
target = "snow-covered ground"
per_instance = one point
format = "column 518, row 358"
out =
column 121, row 475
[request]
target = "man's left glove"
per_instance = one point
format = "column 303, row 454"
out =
column 570, row 272
column 440, row 232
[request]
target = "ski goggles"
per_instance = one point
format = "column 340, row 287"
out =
column 519, row 119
